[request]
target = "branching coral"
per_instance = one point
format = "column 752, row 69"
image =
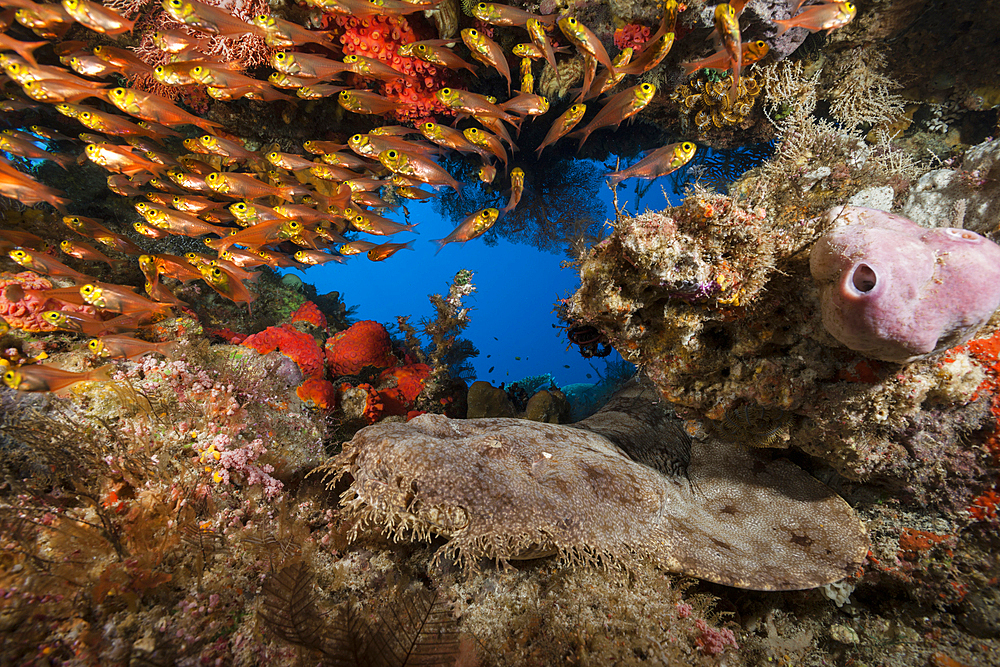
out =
column 447, row 353
column 859, row 94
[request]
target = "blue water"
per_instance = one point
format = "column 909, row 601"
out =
column 517, row 285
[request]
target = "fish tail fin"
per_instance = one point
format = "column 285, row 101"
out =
column 441, row 243
column 690, row 68
column 102, row 374
column 287, row 192
column 783, row 27
column 409, row 245
column 169, row 349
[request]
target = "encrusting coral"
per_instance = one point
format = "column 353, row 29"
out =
column 626, row 483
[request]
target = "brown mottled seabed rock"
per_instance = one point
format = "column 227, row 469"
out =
column 625, row 483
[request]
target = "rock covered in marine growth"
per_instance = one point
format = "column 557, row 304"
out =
column 658, row 284
column 624, row 483
column 895, row 291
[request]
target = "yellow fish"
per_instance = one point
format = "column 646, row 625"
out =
column 659, row 162
column 474, row 226
column 47, row 378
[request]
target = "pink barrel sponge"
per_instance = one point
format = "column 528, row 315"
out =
column 895, row 291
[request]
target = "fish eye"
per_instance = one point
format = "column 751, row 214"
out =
column 93, row 345
column 473, row 32
column 647, row 86
column 176, row 3
column 158, row 69
column 217, row 272
column 391, row 154
column 262, row 17
column 86, row 289
column 848, row 6
column 687, row 146
column 481, row 5
column 760, row 44
column 280, row 56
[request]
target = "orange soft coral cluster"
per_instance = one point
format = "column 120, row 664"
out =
column 300, row 347
column 380, row 37
column 365, row 343
column 26, row 311
column 310, row 312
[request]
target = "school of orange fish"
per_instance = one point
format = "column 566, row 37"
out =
column 325, row 192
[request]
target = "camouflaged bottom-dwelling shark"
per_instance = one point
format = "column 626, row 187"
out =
column 625, row 483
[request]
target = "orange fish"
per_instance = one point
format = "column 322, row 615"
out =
column 659, row 162
column 87, row 252
column 206, row 18
column 373, row 223
column 386, row 250
column 27, row 190
column 46, row 264
column 227, row 285
column 728, row 28
column 97, row 17
column 366, row 102
column 355, row 248
column 307, row 65
column 148, row 106
column 126, row 347
column 540, row 39
column 488, row 52
column 562, row 126
column 827, row 16
column 505, row 15
column 246, row 186
column 119, row 299
column 48, row 378
column 474, row 226
column 752, row 52
column 619, row 107
column 516, row 189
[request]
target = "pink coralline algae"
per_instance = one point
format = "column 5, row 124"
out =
column 365, row 343
column 380, row 37
column 26, row 313
column 632, row 35
column 714, row 641
column 895, row 291
column 298, row 346
column 240, row 464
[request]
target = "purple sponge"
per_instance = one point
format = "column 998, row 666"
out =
column 895, row 291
